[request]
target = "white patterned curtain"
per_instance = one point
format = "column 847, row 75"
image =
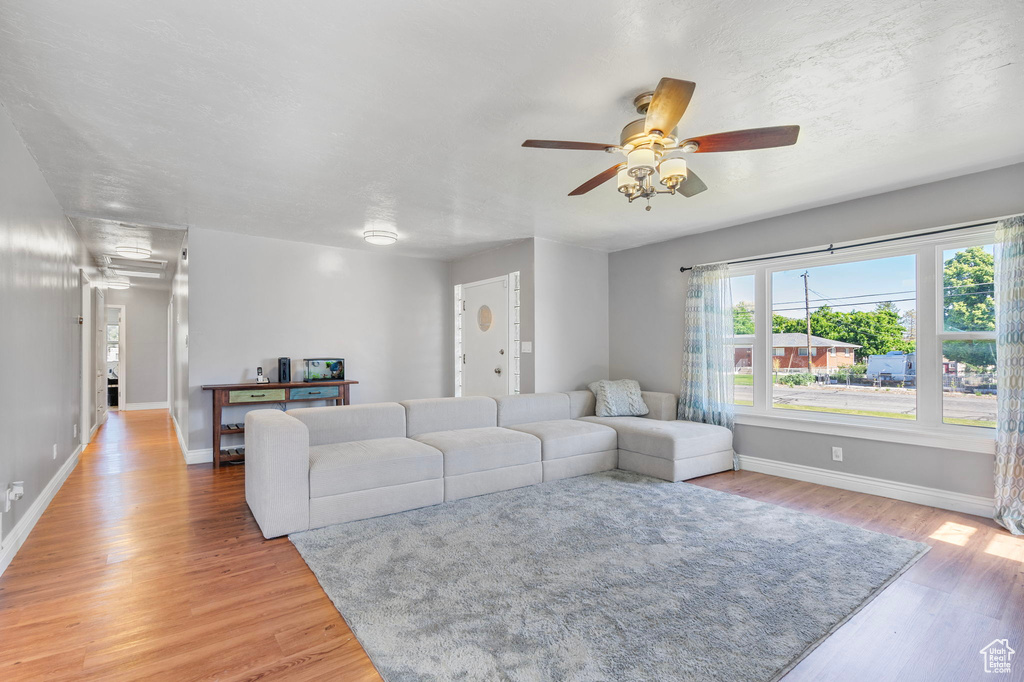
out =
column 707, row 385
column 1010, row 373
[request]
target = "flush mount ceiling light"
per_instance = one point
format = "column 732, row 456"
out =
column 380, row 237
column 133, row 252
column 118, row 284
column 647, row 143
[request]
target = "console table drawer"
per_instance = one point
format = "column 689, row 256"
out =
column 314, row 393
column 256, row 396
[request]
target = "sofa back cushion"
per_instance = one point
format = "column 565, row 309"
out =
column 581, row 404
column 347, row 423
column 532, row 407
column 429, row 415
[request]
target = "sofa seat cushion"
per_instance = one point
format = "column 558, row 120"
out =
column 668, row 440
column 467, row 451
column 338, row 468
column 570, row 437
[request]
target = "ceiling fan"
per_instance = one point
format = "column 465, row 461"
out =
column 652, row 146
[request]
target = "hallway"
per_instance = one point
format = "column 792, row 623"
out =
column 142, row 567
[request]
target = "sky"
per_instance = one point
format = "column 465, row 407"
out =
column 845, row 287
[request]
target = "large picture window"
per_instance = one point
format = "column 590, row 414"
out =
column 862, row 307
column 899, row 334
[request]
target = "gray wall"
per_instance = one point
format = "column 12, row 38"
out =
column 516, row 257
column 145, row 342
column 647, row 292
column 179, row 345
column 571, row 316
column 252, row 299
column 40, row 343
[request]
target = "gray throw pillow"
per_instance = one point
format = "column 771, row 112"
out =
column 619, row 398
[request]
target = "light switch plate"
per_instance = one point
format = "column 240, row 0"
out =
column 527, row 346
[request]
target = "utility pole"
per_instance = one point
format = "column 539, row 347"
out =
column 807, row 319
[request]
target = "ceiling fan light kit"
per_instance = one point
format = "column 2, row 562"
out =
column 380, row 237
column 647, row 142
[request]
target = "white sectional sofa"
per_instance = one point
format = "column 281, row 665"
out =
column 312, row 467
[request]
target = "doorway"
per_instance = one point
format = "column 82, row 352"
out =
column 116, row 370
column 487, row 336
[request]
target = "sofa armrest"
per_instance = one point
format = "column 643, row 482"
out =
column 277, row 471
column 662, row 406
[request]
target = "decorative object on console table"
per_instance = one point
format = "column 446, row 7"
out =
column 284, row 370
column 324, row 369
column 227, row 395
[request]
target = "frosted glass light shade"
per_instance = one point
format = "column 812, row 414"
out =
column 640, row 162
column 672, row 171
column 626, row 182
column 118, row 284
column 380, row 237
column 133, row 252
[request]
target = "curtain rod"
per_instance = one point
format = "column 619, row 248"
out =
column 831, row 248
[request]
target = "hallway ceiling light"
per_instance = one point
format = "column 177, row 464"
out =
column 380, row 237
column 133, row 252
column 118, row 284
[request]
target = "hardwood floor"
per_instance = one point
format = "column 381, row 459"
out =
column 145, row 568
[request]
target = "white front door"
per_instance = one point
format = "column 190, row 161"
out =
column 485, row 338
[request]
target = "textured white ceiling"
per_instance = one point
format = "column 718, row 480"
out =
column 308, row 120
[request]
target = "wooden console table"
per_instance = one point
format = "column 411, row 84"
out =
column 227, row 395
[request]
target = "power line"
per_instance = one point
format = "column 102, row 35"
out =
column 885, row 293
column 840, row 298
column 847, row 305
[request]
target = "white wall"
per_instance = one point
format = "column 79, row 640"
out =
column 571, row 316
column 40, row 257
column 647, row 296
column 145, row 343
column 253, row 299
column 516, row 257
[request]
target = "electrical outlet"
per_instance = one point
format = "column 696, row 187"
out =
column 55, row 451
column 837, row 454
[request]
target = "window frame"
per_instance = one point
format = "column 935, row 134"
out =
column 928, row 428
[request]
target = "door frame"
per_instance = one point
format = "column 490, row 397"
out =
column 122, row 367
column 511, row 281
column 87, row 414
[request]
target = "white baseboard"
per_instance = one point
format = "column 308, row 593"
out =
column 146, row 406
column 204, row 455
column 907, row 492
column 181, row 437
column 16, row 538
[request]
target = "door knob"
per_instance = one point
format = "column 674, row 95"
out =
column 501, row 352
column 497, row 370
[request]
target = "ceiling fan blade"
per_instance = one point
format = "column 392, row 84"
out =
column 668, row 104
column 691, row 185
column 599, row 179
column 739, row 140
column 561, row 144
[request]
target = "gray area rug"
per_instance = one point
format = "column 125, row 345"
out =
column 612, row 576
